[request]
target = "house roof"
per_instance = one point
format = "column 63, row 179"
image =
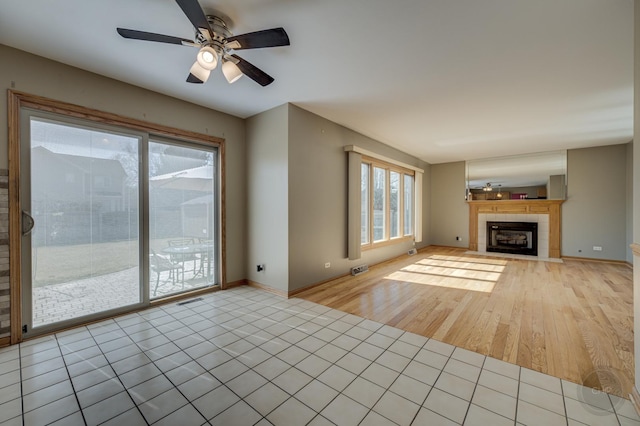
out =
column 100, row 166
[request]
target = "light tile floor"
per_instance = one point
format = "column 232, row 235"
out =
column 246, row 357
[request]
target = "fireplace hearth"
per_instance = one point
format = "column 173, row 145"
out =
column 513, row 237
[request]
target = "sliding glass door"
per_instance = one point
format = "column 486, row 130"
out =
column 112, row 219
column 83, row 198
column 182, row 217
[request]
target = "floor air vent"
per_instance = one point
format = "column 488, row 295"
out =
column 412, row 252
column 189, row 301
column 357, row 270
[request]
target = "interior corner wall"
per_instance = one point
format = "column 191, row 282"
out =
column 636, row 188
column 318, row 199
column 629, row 195
column 594, row 213
column 36, row 75
column 267, row 172
column 449, row 209
column 426, row 208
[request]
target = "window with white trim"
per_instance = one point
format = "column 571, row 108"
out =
column 387, row 200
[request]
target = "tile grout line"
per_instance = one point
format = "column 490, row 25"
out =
column 21, row 386
column 475, row 387
column 436, row 381
column 117, row 375
column 564, row 403
column 518, row 394
column 421, row 405
column 73, row 387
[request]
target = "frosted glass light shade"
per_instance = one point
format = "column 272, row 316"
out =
column 231, row 72
column 208, row 58
column 200, row 73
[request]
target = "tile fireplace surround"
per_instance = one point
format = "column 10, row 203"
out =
column 545, row 212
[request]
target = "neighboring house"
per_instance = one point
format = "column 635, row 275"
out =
column 84, row 190
column 81, row 181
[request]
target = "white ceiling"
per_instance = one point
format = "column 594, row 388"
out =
column 444, row 80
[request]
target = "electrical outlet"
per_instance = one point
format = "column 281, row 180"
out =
column 458, row 238
column 260, row 268
column 327, row 265
column 597, row 248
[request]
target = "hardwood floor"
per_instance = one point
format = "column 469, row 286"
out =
column 572, row 320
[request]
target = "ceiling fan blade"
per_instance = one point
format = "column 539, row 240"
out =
column 198, row 74
column 143, row 35
column 193, row 79
column 195, row 14
column 256, row 40
column 253, row 72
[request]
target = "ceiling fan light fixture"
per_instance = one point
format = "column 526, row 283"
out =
column 208, row 58
column 199, row 72
column 231, row 71
column 215, row 41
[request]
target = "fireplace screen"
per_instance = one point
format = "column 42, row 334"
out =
column 513, row 237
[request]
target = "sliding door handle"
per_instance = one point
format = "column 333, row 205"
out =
column 27, row 223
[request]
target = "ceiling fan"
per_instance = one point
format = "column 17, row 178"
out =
column 216, row 43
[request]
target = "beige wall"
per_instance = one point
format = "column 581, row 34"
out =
column 594, row 213
column 629, row 195
column 449, row 209
column 39, row 76
column 297, row 198
column 268, row 198
column 636, row 186
column 318, row 198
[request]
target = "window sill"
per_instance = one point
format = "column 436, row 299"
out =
column 385, row 243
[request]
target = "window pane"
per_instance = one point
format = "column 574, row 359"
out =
column 182, row 207
column 84, row 199
column 408, row 205
column 379, row 203
column 394, row 204
column 364, row 209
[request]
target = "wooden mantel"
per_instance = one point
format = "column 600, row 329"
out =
column 550, row 207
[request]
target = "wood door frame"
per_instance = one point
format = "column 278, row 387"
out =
column 16, row 101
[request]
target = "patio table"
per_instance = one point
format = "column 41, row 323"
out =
column 203, row 249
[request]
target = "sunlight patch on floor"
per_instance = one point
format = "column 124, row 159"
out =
column 464, row 273
column 474, row 260
column 462, row 264
column 455, row 272
column 439, row 280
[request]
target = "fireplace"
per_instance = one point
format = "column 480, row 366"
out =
column 513, row 237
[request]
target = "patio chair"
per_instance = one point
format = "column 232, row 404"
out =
column 160, row 264
column 184, row 257
column 205, row 256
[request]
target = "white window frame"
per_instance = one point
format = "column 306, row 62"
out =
column 354, row 214
column 386, row 238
